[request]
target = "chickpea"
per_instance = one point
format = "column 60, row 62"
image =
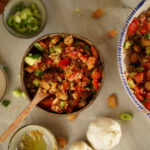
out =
column 68, row 40
column 133, row 58
column 147, row 85
column 54, row 41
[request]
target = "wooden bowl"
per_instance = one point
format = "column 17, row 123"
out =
column 62, row 35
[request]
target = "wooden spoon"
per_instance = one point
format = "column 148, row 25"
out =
column 38, row 97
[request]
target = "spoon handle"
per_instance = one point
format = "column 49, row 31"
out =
column 39, row 96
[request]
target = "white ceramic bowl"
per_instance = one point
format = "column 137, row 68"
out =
column 142, row 6
column 47, row 136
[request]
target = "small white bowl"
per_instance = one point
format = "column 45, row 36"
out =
column 47, row 136
column 121, row 54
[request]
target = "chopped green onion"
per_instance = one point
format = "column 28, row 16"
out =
column 86, row 47
column 36, row 82
column 127, row 45
column 148, row 50
column 5, row 103
column 139, row 69
column 38, row 72
column 132, row 74
column 62, row 104
column 147, row 36
column 125, row 116
column 23, row 94
column 17, row 93
column 58, row 49
column 131, row 83
column 51, row 50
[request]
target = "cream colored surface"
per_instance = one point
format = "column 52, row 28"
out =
column 62, row 18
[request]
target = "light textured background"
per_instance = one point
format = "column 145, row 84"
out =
column 62, row 18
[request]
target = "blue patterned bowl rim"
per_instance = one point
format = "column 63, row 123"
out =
column 120, row 54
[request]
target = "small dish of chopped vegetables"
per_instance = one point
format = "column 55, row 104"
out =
column 137, row 48
column 24, row 18
column 68, row 67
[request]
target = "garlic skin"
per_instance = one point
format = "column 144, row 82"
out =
column 104, row 133
column 80, row 145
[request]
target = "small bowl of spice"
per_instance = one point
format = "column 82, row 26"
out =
column 24, row 19
column 33, row 137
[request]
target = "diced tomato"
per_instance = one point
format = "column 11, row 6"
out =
column 94, row 52
column 35, row 67
column 139, row 90
column 79, row 88
column 95, row 83
column 75, row 76
column 43, row 44
column 49, row 61
column 65, row 86
column 83, row 58
column 64, row 63
column 147, row 105
column 139, row 97
column 144, row 29
column 133, row 26
column 46, row 102
column 139, row 77
column 148, row 95
column 91, row 62
column 96, row 74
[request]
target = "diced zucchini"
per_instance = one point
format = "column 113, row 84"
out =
column 127, row 45
column 38, row 46
column 5, row 103
column 36, row 82
column 131, row 84
column 51, row 50
column 132, row 74
column 30, row 61
column 38, row 72
column 62, row 104
column 148, row 50
column 17, row 93
column 58, row 49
